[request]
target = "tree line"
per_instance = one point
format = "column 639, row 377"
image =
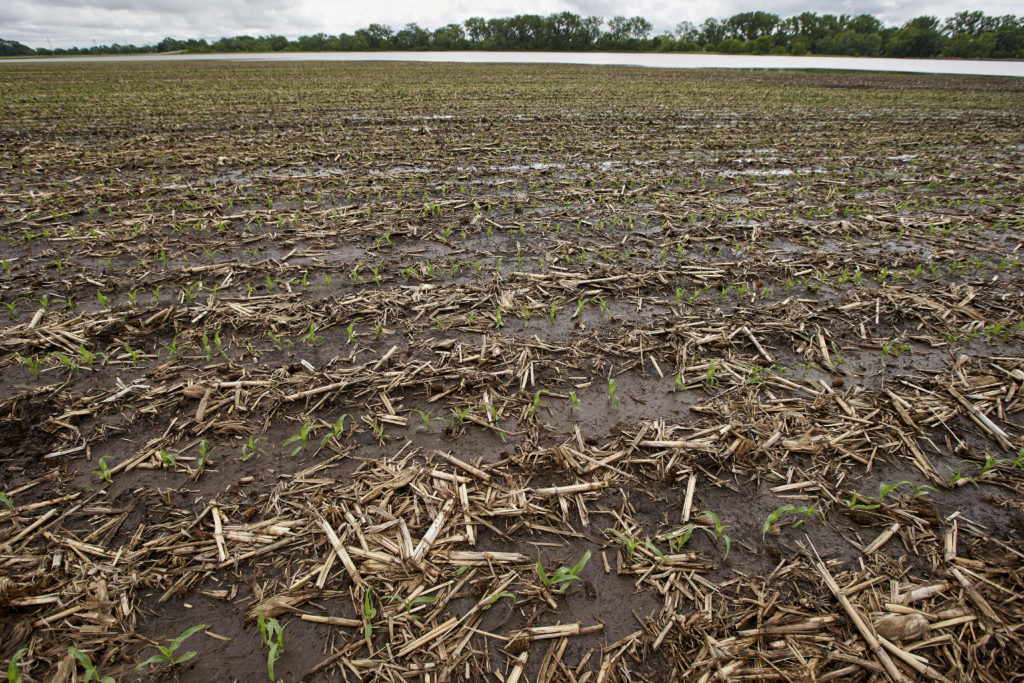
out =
column 970, row 35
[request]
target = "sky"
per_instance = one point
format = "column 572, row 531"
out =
column 67, row 23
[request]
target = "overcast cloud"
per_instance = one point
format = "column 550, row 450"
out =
column 67, row 23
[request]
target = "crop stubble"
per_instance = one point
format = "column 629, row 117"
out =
column 564, row 309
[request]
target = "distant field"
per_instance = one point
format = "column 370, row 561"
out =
column 511, row 372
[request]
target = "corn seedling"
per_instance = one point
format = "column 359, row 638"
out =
column 88, row 668
column 279, row 341
column 531, row 410
column 301, row 438
column 30, row 362
column 311, row 337
column 205, row 451
column 496, row 597
column 677, row 540
column 167, row 656
column 167, row 459
column 563, row 576
column 369, row 614
column 337, row 430
column 411, row 604
column 174, row 350
column 252, row 447
column 13, row 674
column 426, row 418
column 778, row 512
column 718, row 533
column 612, row 398
column 103, row 472
column 574, row 401
column 6, row 501
column 352, row 339
column 272, row 634
column 709, row 376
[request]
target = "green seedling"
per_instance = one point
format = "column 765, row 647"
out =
column 279, row 341
column 369, row 614
column 718, row 533
column 13, row 674
column 426, row 418
column 6, row 501
column 677, row 540
column 173, row 350
column 206, row 347
column 411, row 604
column 778, row 512
column 167, row 656
column 459, row 415
column 713, row 368
column 88, row 667
column 678, row 384
column 272, row 634
column 886, row 490
column 495, row 598
column 302, row 438
column 612, row 398
column 30, row 362
column 893, row 349
column 69, row 364
column 574, row 401
column 167, row 459
column 563, row 576
column 252, row 447
column 104, row 301
column 89, row 358
column 337, row 430
column 133, row 354
column 311, row 337
column 531, row 410
column 204, row 455
column 103, row 472
column 351, row 330
column 854, row 504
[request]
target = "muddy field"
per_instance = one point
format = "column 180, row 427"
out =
column 427, row 372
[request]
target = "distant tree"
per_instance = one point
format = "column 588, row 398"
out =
column 919, row 37
column 687, row 30
column 751, row 25
column 450, row 37
column 12, row 48
column 621, row 29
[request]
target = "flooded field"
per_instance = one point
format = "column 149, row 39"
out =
column 392, row 371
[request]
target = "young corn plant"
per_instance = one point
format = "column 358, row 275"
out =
column 563, row 577
column 802, row 515
column 167, row 459
column 718, row 532
column 167, row 654
column 103, row 472
column 252, row 447
column 612, row 398
column 272, row 634
column 88, row 668
column 337, row 430
column 301, row 438
column 369, row 614
column 205, row 451
column 13, row 673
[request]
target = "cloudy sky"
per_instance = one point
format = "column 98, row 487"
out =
column 66, row 23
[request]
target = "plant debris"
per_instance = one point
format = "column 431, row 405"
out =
column 436, row 372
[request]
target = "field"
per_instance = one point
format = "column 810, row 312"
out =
column 510, row 373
